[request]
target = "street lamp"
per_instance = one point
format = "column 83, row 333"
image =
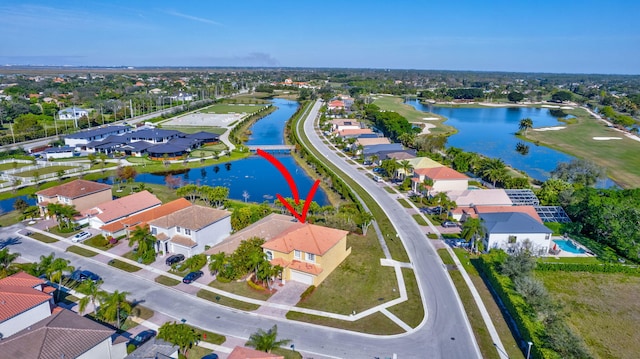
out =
column 529, row 349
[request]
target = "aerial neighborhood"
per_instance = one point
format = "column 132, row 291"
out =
column 149, row 225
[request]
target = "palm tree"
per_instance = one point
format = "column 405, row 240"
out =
column 113, row 304
column 6, row 262
column 56, row 270
column 366, row 219
column 525, row 124
column 473, row 231
column 180, row 335
column 266, row 341
column 217, row 263
column 406, row 168
column 63, row 213
column 494, row 170
column 92, row 293
column 255, row 260
column 144, row 239
column 407, row 139
column 374, row 159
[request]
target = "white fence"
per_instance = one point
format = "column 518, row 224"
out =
column 12, row 176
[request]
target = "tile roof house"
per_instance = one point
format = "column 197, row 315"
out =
column 64, row 334
column 24, row 300
column 112, row 211
column 461, row 213
column 416, row 164
column 125, row 225
column 308, row 253
column 81, row 194
column 480, row 197
column 189, row 230
column 353, row 132
column 154, row 349
column 444, row 179
column 248, row 353
column 508, row 230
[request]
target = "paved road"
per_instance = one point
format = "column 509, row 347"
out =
column 445, row 334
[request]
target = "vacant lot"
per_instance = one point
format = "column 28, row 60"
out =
column 602, row 308
column 232, row 108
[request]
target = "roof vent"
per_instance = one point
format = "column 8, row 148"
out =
column 82, row 189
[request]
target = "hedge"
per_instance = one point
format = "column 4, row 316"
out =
column 591, row 268
column 519, row 310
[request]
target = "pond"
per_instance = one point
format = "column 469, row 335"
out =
column 490, row 131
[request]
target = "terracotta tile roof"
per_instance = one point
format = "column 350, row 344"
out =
column 65, row 332
column 126, row 206
column 146, row 216
column 354, row 132
column 75, row 189
column 400, row 155
column 479, row 197
column 18, row 294
column 183, row 241
column 162, row 237
column 307, row 238
column 372, row 141
column 247, row 353
column 440, row 173
column 279, row 262
column 194, row 217
column 305, row 267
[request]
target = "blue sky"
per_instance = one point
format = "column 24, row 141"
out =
column 541, row 36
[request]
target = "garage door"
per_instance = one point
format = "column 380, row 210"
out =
column 302, row 277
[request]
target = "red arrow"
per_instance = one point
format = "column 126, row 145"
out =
column 294, row 189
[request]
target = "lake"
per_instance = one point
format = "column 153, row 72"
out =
column 490, row 131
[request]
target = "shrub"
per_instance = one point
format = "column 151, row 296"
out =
column 130, row 348
column 591, row 268
column 254, row 285
column 195, row 263
column 307, row 292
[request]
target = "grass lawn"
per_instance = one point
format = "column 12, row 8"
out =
column 227, row 302
column 473, row 313
column 164, row 193
column 395, row 104
column 619, row 157
column 420, row 220
column 286, row 353
column 81, row 251
column 231, row 108
column 240, row 288
column 376, row 323
column 125, row 266
column 602, row 308
column 55, row 230
column 168, row 281
column 411, row 312
column 10, row 218
column 580, row 260
column 404, row 203
column 499, row 321
column 369, row 283
column 42, row 238
column 44, row 171
column 194, row 129
column 12, row 165
column 151, row 166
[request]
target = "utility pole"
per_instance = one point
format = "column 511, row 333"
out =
column 131, row 107
column 12, row 134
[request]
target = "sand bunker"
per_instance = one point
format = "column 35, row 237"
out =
column 550, row 106
column 555, row 128
column 566, row 108
column 431, row 118
column 425, row 127
column 606, row 138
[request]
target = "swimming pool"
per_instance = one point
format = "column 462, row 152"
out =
column 568, row 246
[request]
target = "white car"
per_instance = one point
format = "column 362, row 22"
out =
column 81, row 236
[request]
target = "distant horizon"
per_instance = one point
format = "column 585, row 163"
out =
column 159, row 67
column 571, row 37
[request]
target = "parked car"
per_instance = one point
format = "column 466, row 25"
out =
column 82, row 275
column 449, row 224
column 210, row 356
column 192, row 277
column 81, row 236
column 173, row 259
column 142, row 337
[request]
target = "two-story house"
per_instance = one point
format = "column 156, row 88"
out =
column 189, row 230
column 24, row 300
column 82, row 138
column 81, row 194
column 443, row 179
column 112, row 211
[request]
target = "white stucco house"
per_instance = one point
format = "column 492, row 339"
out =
column 510, row 230
column 188, row 231
column 444, row 179
column 72, row 113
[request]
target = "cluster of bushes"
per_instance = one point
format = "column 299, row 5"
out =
column 538, row 319
column 591, row 268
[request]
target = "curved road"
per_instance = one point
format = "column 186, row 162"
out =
column 445, row 334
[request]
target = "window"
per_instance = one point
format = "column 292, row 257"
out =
column 178, row 229
column 311, row 257
column 269, row 255
column 296, row 254
column 187, row 232
column 154, row 230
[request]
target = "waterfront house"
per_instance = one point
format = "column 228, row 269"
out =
column 153, row 135
column 480, row 197
column 444, row 179
column 189, row 230
column 114, row 210
column 126, row 225
column 81, row 139
column 81, row 194
column 416, row 163
column 204, row 138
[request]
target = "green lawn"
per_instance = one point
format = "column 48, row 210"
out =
column 418, row 218
column 44, row 171
column 228, row 302
column 42, row 238
column 231, row 108
column 395, row 104
column 411, row 312
column 619, row 157
column 602, row 308
column 164, row 193
column 125, row 266
column 81, row 251
column 369, row 283
column 10, row 218
column 376, row 323
column 12, row 165
column 168, row 281
column 240, row 288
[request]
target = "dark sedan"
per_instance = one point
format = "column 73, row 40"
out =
column 173, row 259
column 142, row 337
column 192, row 277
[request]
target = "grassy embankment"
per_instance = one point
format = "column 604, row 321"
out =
column 395, row 104
column 619, row 157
